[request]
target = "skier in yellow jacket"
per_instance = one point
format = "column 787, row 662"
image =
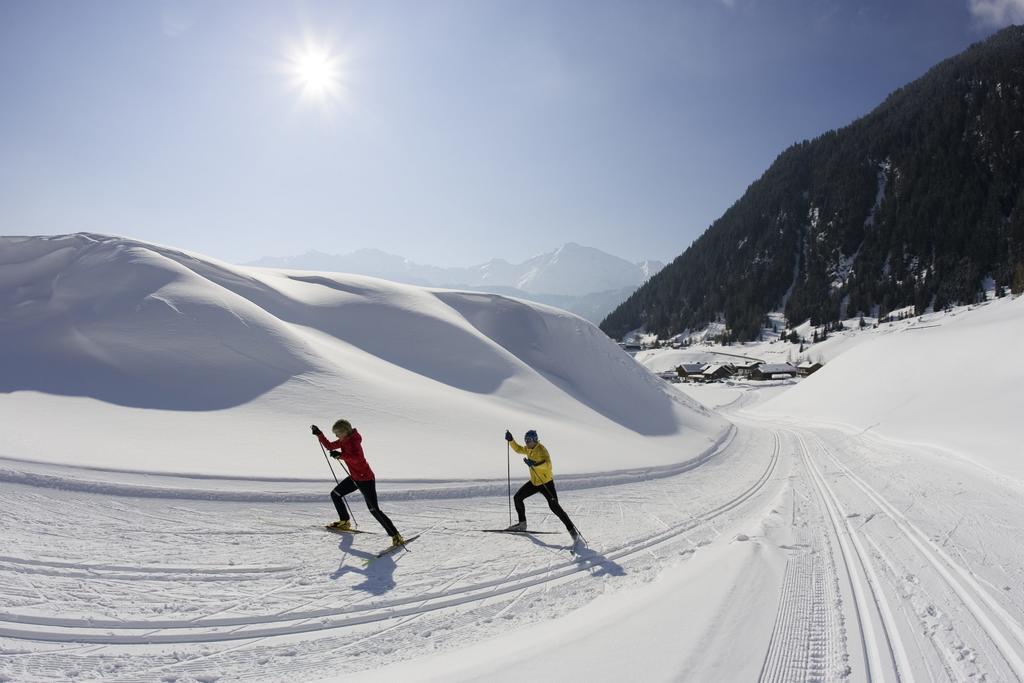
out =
column 541, row 481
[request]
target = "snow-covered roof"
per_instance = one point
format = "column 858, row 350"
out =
column 693, row 368
column 775, row 368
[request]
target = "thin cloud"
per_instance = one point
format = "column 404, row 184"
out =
column 997, row 13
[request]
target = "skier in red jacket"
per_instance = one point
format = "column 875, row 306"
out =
column 348, row 448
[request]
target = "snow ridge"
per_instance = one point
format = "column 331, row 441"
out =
column 237, row 362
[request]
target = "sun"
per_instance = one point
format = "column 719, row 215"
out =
column 317, row 72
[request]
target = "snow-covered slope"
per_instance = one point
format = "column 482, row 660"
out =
column 122, row 354
column 903, row 379
column 951, row 380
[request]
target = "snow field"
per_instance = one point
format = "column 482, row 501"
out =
column 162, row 507
column 833, row 556
column 270, row 582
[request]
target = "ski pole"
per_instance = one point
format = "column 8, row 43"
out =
column 508, row 466
column 329, row 464
column 343, row 501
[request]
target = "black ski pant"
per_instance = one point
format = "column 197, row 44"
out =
column 546, row 489
column 369, row 491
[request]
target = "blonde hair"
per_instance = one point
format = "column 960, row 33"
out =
column 343, row 425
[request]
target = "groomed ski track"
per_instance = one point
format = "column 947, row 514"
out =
column 889, row 563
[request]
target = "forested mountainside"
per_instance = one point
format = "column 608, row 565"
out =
column 916, row 203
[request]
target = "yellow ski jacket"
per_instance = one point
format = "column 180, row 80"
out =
column 540, row 473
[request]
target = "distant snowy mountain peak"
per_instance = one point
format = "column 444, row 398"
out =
column 580, row 279
column 577, row 270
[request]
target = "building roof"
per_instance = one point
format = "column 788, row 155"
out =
column 693, row 368
column 775, row 368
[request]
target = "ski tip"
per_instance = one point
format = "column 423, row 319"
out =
column 388, row 551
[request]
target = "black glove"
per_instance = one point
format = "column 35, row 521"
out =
column 316, row 430
column 335, row 454
column 531, row 463
column 508, row 436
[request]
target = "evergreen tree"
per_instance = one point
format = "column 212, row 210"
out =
column 945, row 155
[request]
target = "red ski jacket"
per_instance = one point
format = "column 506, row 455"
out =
column 351, row 450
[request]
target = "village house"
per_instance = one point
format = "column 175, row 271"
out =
column 773, row 371
column 808, row 368
column 691, row 372
column 713, row 373
column 745, row 368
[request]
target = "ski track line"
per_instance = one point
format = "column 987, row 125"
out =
column 190, row 664
column 511, row 603
column 946, row 567
column 106, row 631
column 864, row 584
column 807, row 640
column 863, row 620
column 234, row 604
column 943, row 655
column 347, row 603
column 790, row 655
column 148, row 571
column 322, row 655
column 773, row 657
column 567, row 482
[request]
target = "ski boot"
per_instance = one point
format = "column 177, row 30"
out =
column 397, row 540
column 340, row 525
column 518, row 526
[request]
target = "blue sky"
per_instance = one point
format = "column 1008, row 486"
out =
column 454, row 132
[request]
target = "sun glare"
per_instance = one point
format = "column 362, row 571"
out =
column 317, row 72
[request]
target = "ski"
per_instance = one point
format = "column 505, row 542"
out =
column 393, row 548
column 527, row 533
column 346, row 531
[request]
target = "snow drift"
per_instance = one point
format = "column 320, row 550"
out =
column 952, row 381
column 127, row 355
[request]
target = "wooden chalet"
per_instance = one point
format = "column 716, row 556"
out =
column 744, row 368
column 808, row 368
column 691, row 372
column 773, row 371
column 714, row 373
